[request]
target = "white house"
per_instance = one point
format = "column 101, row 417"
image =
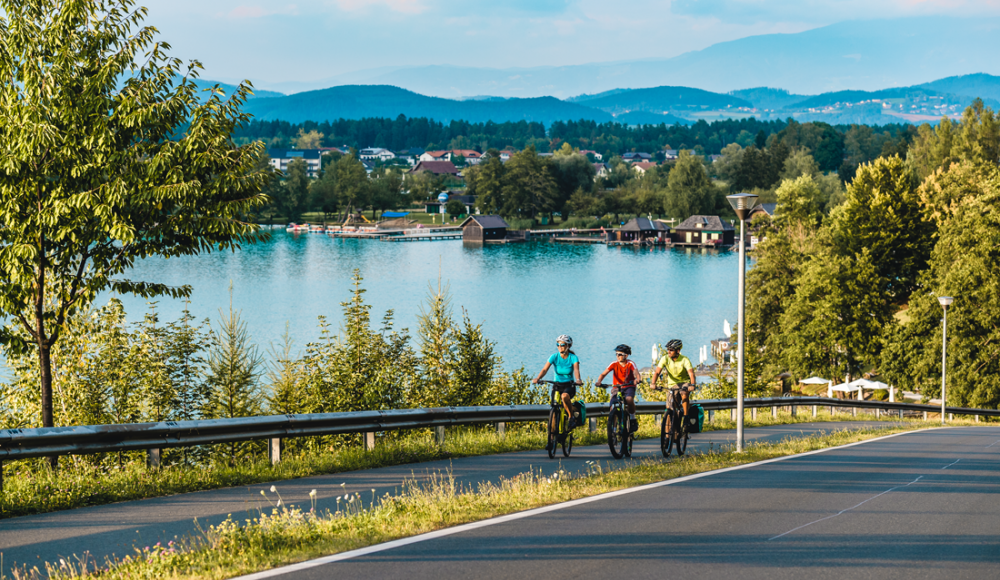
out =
column 435, row 156
column 596, row 155
column 376, row 153
column 281, row 158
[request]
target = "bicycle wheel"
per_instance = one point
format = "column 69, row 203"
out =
column 666, row 437
column 567, row 445
column 682, row 442
column 614, row 433
column 627, row 438
column 553, row 433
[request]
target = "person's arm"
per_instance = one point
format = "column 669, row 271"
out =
column 691, row 375
column 636, row 375
column 656, row 375
column 576, row 372
column 601, row 378
column 545, row 369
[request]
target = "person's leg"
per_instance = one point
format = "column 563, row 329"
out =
column 684, row 401
column 566, row 405
column 630, row 405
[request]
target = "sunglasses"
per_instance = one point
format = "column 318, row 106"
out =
column 561, row 344
column 621, row 354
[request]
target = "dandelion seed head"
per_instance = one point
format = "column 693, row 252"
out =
column 312, row 493
column 274, row 489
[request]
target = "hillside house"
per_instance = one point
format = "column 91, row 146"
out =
column 601, row 170
column 281, row 158
column 642, row 167
column 596, row 155
column 636, row 157
column 435, row 167
column 703, row 230
column 376, row 154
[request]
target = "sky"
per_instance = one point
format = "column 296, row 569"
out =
column 274, row 41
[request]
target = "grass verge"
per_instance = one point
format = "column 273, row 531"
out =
column 82, row 484
column 291, row 534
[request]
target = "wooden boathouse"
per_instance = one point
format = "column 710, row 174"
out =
column 703, row 230
column 484, row 229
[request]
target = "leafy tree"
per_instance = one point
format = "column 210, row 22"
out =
column 437, row 348
column 486, row 181
column 572, row 172
column 323, row 193
column 975, row 139
column 386, row 190
column 689, row 191
column 353, row 188
column 476, row 364
column 455, row 208
column 295, row 197
column 800, row 200
column 882, row 216
column 311, row 140
column 104, row 163
column 728, row 165
column 528, row 183
column 426, row 186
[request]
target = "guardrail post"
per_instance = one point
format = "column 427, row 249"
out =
column 501, row 428
column 153, row 458
column 439, row 434
column 657, row 418
column 774, row 411
column 369, row 440
column 951, row 416
column 815, row 411
column 753, row 414
column 274, row 450
column 593, row 425
column 854, row 411
column 1, row 482
column 925, row 415
column 732, row 414
column 793, row 407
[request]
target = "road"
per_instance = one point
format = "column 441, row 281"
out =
column 116, row 529
column 912, row 506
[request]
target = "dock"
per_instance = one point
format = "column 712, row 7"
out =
column 580, row 240
column 428, row 237
column 563, row 233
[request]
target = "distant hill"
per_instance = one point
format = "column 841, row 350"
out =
column 360, row 101
column 664, row 100
column 230, row 89
column 975, row 85
column 647, row 118
column 857, row 54
column 768, row 98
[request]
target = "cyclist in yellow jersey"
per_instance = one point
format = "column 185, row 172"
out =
column 674, row 363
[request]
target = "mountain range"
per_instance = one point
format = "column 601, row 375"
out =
column 853, row 55
column 667, row 104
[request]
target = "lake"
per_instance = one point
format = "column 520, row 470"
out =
column 525, row 294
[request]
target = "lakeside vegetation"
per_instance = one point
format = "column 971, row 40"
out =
column 289, row 534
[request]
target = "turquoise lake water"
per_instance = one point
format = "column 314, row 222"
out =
column 524, row 294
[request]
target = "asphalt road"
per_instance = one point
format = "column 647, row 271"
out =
column 116, row 530
column 914, row 506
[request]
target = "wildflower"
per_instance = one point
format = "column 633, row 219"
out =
column 343, row 484
column 312, row 493
column 262, row 493
column 274, row 489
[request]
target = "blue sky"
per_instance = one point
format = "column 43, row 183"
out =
column 310, row 40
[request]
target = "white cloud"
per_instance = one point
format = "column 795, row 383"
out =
column 364, row 6
column 242, row 11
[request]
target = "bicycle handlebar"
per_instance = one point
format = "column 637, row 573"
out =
column 603, row 386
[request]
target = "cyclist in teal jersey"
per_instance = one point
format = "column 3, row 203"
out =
column 567, row 368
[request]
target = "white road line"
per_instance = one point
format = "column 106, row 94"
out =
column 847, row 510
column 992, row 444
column 950, row 464
column 538, row 511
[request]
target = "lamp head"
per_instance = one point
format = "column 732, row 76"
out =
column 742, row 203
column 945, row 301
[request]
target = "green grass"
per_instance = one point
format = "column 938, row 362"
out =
column 295, row 533
column 79, row 483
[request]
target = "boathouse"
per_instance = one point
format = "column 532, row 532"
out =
column 642, row 229
column 704, row 230
column 483, row 228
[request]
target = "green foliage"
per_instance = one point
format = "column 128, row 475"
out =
column 689, row 190
column 109, row 155
column 528, row 186
column 976, row 139
column 455, row 208
column 294, row 198
column 800, row 200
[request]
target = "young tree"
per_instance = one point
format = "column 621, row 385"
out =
column 311, row 140
column 103, row 163
column 295, row 198
column 485, row 181
column 689, row 191
column 528, row 183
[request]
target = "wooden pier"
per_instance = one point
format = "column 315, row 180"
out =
column 562, row 233
column 580, row 240
column 429, row 237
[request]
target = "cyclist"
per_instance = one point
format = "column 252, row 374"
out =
column 567, row 368
column 674, row 363
column 623, row 372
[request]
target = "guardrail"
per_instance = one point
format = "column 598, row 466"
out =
column 152, row 437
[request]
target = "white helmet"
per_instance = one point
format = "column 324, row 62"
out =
column 565, row 338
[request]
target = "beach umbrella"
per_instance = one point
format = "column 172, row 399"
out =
column 726, row 329
column 814, row 381
column 656, row 353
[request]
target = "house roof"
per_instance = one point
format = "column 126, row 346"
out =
column 640, row 225
column 436, row 154
column 704, row 222
column 435, row 167
column 293, row 153
column 468, row 153
column 485, row 221
column 767, row 208
column 644, row 165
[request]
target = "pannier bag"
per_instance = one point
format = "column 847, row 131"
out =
column 695, row 418
column 582, row 409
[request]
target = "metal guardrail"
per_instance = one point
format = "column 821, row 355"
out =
column 28, row 443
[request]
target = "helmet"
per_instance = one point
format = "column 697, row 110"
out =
column 565, row 338
column 675, row 344
column 624, row 348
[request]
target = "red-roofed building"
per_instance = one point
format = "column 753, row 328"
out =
column 435, row 167
column 641, row 167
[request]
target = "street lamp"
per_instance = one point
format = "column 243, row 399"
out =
column 742, row 203
column 945, row 302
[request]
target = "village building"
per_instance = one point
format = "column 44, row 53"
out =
column 484, row 229
column 435, row 167
column 641, row 167
column 640, row 230
column 636, row 157
column 376, row 154
column 282, row 158
column 601, row 170
column 703, row 230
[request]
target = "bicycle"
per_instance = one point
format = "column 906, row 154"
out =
column 673, row 429
column 559, row 432
column 619, row 425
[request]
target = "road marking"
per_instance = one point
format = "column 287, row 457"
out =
column 848, row 509
column 542, row 510
column 992, row 444
column 950, row 464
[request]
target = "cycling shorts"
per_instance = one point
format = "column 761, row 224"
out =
column 625, row 391
column 568, row 387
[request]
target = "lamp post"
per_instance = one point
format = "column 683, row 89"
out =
column 945, row 302
column 742, row 203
